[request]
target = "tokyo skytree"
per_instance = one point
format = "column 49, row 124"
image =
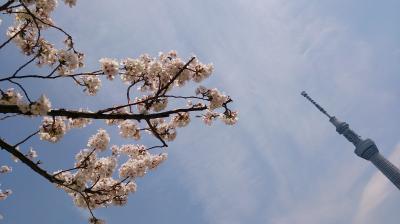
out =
column 365, row 148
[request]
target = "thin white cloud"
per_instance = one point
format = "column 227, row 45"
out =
column 286, row 137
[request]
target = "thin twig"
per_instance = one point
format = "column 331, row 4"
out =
column 8, row 116
column 154, row 131
column 23, row 90
column 26, row 139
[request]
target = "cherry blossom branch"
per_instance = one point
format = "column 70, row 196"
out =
column 36, row 24
column 23, row 90
column 22, row 66
column 13, row 151
column 128, row 97
column 26, row 139
column 174, row 78
column 82, row 165
column 13, row 36
column 97, row 72
column 154, row 131
column 28, row 11
column 186, row 97
column 92, row 183
column 51, row 178
column 100, row 115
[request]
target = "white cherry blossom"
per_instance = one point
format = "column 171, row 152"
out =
column 129, row 129
column 109, row 67
column 99, row 141
column 32, row 154
column 229, row 118
column 92, row 84
column 5, row 169
column 41, row 106
column 52, row 129
column 10, row 97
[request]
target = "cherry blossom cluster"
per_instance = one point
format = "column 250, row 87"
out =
column 5, row 169
column 93, row 185
column 129, row 129
column 153, row 74
column 31, row 18
column 91, row 82
column 5, row 194
column 10, row 97
column 180, row 120
column 166, row 130
column 52, row 129
column 217, row 100
column 99, row 141
column 156, row 73
column 39, row 107
column 139, row 162
column 32, row 154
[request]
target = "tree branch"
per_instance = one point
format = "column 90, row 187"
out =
column 102, row 116
column 154, row 131
column 26, row 139
column 6, row 5
column 12, row 150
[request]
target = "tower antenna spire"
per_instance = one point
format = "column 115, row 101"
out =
column 315, row 104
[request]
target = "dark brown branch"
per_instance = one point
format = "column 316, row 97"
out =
column 13, row 151
column 187, row 97
column 6, row 5
column 93, row 115
column 126, row 105
column 78, row 82
column 87, row 204
column 128, row 97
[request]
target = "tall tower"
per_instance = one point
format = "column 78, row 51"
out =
column 365, row 148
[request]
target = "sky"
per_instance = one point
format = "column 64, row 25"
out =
column 283, row 162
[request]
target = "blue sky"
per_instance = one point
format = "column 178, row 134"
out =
column 283, row 162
